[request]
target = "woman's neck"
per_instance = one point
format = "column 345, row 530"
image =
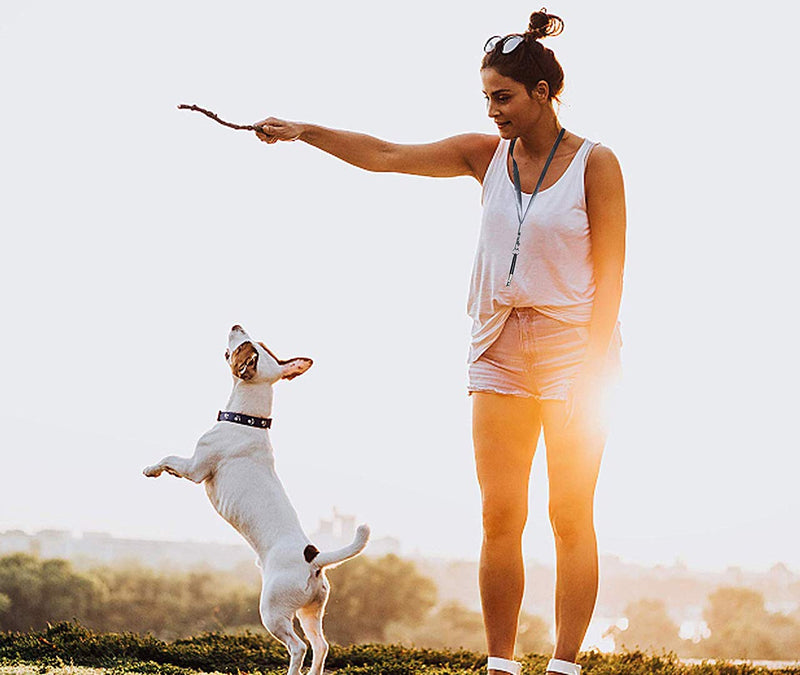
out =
column 538, row 141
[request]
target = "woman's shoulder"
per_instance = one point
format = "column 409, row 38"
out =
column 601, row 159
column 481, row 139
column 480, row 144
column 478, row 150
column 603, row 171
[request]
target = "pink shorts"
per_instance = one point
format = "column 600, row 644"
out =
column 536, row 357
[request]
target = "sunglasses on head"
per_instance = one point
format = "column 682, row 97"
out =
column 507, row 43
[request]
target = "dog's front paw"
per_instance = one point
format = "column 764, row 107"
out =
column 153, row 471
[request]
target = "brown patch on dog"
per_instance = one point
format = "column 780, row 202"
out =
column 310, row 552
column 244, row 361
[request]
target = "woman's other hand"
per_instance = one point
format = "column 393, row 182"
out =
column 274, row 130
column 586, row 401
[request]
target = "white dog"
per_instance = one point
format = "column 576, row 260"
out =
column 235, row 460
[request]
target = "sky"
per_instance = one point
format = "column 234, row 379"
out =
column 135, row 235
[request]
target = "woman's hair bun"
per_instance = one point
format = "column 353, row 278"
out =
column 542, row 24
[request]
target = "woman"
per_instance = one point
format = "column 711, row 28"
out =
column 544, row 309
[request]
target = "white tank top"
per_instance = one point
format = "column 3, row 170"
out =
column 554, row 272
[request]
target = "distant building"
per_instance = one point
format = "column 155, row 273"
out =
column 339, row 530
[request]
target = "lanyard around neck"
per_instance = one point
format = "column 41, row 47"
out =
column 518, row 190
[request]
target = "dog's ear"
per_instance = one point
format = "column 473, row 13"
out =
column 244, row 361
column 294, row 367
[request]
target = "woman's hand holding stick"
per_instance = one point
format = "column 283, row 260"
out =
column 272, row 130
column 269, row 130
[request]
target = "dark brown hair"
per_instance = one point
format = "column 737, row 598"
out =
column 530, row 62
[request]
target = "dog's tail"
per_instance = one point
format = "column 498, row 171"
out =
column 328, row 558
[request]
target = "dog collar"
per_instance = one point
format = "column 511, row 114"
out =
column 247, row 420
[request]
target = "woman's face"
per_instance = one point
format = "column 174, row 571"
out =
column 509, row 104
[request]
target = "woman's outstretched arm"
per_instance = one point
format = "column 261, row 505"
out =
column 463, row 155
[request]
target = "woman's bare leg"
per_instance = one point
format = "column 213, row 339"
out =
column 573, row 463
column 505, row 431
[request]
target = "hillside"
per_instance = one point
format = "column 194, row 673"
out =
column 62, row 647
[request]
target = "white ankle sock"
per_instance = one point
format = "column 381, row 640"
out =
column 505, row 665
column 563, row 667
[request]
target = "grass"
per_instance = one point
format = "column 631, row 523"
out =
column 70, row 649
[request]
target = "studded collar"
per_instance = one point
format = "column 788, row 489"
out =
column 246, row 420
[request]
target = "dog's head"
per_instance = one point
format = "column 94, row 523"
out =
column 253, row 362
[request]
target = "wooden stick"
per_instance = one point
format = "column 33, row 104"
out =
column 215, row 117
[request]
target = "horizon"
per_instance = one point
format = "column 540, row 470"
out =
column 677, row 563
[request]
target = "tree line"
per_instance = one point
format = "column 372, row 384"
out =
column 381, row 599
column 372, row 600
column 738, row 621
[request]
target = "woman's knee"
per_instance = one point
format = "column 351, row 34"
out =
column 503, row 519
column 571, row 522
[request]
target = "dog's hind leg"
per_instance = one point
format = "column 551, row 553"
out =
column 311, row 621
column 281, row 627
